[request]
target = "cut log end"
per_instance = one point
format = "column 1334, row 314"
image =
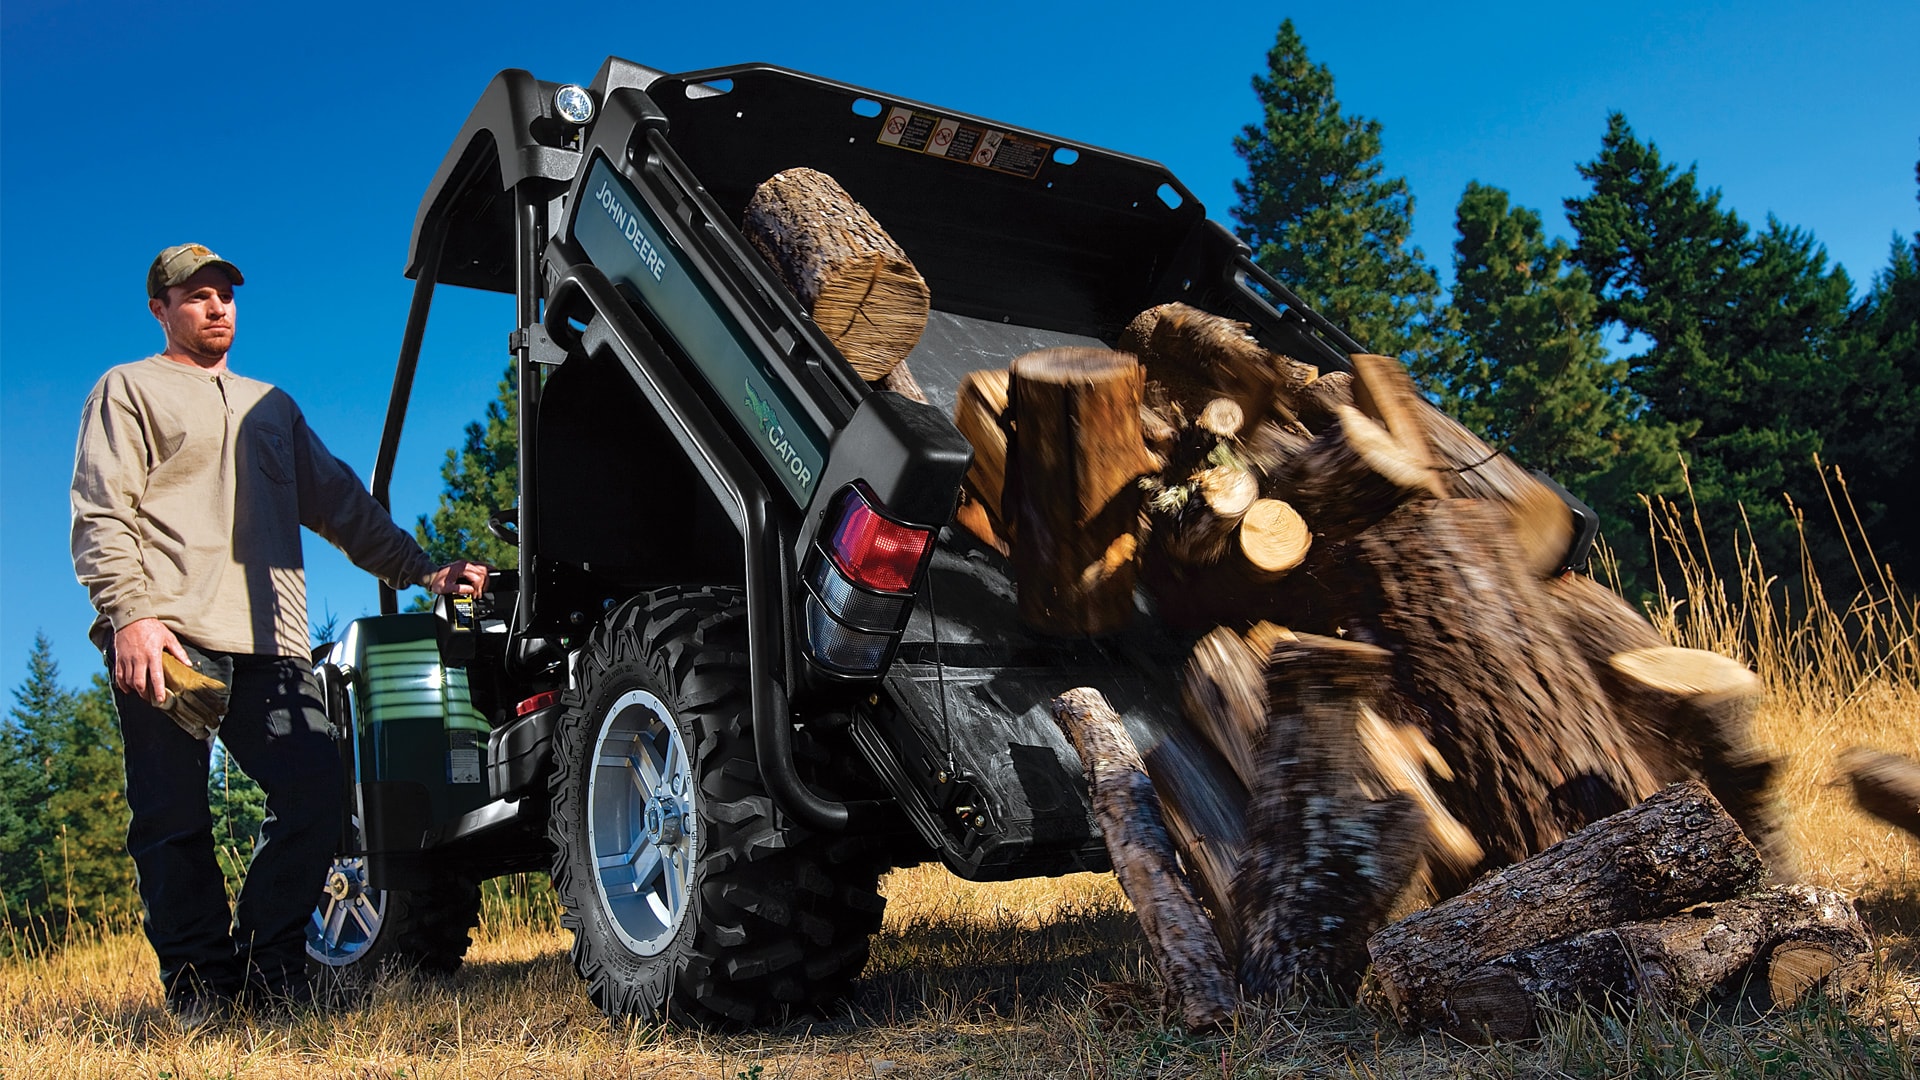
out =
column 1686, row 672
column 1274, row 538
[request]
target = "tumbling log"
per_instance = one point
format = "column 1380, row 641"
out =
column 1318, row 402
column 1182, row 941
column 1268, row 446
column 1402, row 758
column 980, row 412
column 1273, row 539
column 1195, row 523
column 1198, row 356
column 1223, row 694
column 1672, row 851
column 857, row 283
column 1695, row 710
column 1076, row 453
column 1205, row 808
column 1534, row 748
column 1803, row 937
column 901, row 381
column 1885, row 785
column 1351, row 476
column 1325, row 860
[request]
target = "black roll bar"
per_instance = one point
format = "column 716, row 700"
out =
column 403, row 370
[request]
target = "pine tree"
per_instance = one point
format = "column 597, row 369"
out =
column 1878, row 445
column 63, row 834
column 482, row 476
column 1319, row 213
column 1523, row 364
column 1741, row 331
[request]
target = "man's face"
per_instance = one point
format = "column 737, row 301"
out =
column 197, row 315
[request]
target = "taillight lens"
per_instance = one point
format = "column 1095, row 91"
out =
column 874, row 551
column 860, row 576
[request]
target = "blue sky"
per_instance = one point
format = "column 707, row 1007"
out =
column 296, row 140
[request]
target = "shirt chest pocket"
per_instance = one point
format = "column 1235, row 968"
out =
column 272, row 451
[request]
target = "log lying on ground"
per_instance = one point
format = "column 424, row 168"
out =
column 1325, row 858
column 1181, row 939
column 980, row 412
column 857, row 283
column 1885, row 785
column 1790, row 940
column 1075, row 456
column 1534, row 748
column 1676, row 849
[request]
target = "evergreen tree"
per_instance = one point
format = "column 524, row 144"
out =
column 1319, row 213
column 1524, row 364
column 1740, row 333
column 1878, row 445
column 63, row 830
column 482, row 476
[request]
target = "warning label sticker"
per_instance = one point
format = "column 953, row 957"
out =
column 957, row 140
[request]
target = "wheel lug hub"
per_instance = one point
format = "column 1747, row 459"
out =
column 663, row 820
column 339, row 885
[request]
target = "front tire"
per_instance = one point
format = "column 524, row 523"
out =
column 687, row 896
column 356, row 932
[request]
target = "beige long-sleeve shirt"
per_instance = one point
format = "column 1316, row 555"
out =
column 189, row 491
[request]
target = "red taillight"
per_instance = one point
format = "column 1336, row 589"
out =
column 536, row 703
column 874, row 551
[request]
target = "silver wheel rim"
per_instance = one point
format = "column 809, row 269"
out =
column 348, row 918
column 641, row 827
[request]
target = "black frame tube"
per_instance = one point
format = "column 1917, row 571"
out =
column 528, row 241
column 403, row 370
column 764, row 535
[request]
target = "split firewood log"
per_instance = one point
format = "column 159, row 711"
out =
column 1534, row 748
column 1466, row 467
column 1885, row 785
column 981, row 413
column 1075, row 455
column 1790, row 939
column 852, row 278
column 1676, row 849
column 1181, row 939
column 1328, row 851
column 1205, row 807
column 1195, row 522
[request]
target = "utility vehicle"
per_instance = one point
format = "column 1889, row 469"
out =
column 744, row 664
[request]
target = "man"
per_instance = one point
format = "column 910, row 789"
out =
column 190, row 485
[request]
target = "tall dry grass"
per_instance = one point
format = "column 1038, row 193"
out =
column 1047, row 978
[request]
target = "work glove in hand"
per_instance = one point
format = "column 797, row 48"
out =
column 195, row 701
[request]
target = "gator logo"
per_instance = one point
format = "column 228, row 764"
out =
column 775, row 435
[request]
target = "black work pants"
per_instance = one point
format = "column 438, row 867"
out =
column 276, row 730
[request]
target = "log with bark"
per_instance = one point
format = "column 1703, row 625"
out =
column 1075, row 455
column 1179, row 935
column 1197, row 356
column 851, row 277
column 1788, row 941
column 1885, row 785
column 1329, row 846
column 1676, row 849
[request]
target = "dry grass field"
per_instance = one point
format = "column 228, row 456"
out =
column 1049, row 978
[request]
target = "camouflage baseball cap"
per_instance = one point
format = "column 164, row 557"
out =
column 182, row 261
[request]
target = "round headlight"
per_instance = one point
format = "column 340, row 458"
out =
column 574, row 104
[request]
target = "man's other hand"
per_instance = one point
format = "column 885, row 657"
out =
column 137, row 647
column 459, row 578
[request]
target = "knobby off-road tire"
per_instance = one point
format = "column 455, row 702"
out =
column 687, row 896
column 355, row 932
